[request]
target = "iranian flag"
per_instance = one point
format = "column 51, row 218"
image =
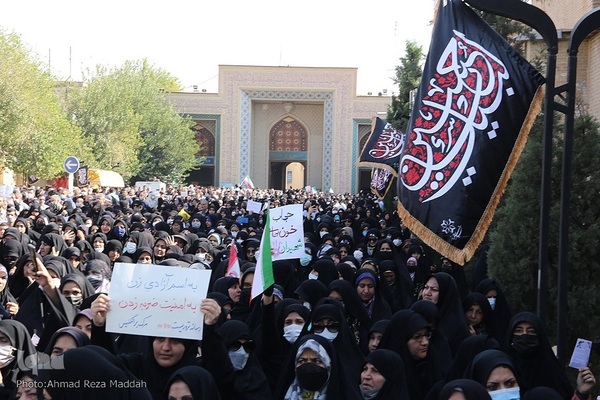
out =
column 263, row 275
column 233, row 265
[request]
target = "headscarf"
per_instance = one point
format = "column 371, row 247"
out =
column 20, row 339
column 53, row 240
column 541, row 368
column 79, row 336
column 471, row 390
column 542, row 393
column 501, row 313
column 201, row 383
column 451, row 319
column 92, row 364
column 390, row 365
column 338, row 386
column 311, row 291
column 485, row 362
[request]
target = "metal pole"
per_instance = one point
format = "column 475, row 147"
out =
column 586, row 25
column 541, row 22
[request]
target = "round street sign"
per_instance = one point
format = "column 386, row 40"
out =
column 71, row 164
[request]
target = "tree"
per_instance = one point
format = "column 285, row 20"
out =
column 35, row 134
column 408, row 77
column 135, row 130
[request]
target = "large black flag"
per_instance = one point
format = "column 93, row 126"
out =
column 476, row 103
column 383, row 148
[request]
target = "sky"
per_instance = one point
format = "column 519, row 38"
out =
column 190, row 39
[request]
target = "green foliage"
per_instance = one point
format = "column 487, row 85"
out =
column 514, row 238
column 134, row 129
column 35, row 135
column 408, row 77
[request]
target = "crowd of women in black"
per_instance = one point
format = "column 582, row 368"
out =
column 366, row 313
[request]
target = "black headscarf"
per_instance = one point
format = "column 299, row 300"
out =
column 501, row 313
column 326, row 270
column 311, row 291
column 471, row 390
column 201, row 383
column 53, row 240
column 18, row 282
column 541, row 368
column 92, row 364
column 20, row 339
column 390, row 365
column 485, row 326
column 421, row 375
column 145, row 367
column 542, row 393
column 485, row 362
column 451, row 319
column 251, row 381
column 79, row 336
column 338, row 385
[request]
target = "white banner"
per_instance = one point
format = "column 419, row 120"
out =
column 157, row 300
column 287, row 232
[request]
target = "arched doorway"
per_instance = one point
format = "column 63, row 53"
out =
column 288, row 144
column 364, row 173
column 204, row 175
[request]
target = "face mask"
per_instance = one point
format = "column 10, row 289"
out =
column 119, row 231
column 233, row 213
column 305, row 260
column 196, row 224
column 492, row 301
column 365, row 233
column 323, row 233
column 200, row 256
column 260, row 221
column 506, row 394
column 525, row 345
column 234, row 234
column 95, row 280
column 369, row 394
column 307, row 305
column 238, row 358
column 311, row 376
column 358, row 255
column 291, row 332
column 313, row 276
column 56, row 282
column 385, row 255
column 6, row 355
column 169, row 221
column 130, row 247
column 327, row 334
column 397, row 242
column 155, row 223
column 239, row 241
column 75, row 300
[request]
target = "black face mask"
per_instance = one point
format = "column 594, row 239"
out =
column 75, row 300
column 385, row 255
column 412, row 268
column 311, row 376
column 525, row 345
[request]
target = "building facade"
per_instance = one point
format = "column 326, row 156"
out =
column 283, row 127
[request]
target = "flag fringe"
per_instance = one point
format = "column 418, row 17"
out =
column 462, row 256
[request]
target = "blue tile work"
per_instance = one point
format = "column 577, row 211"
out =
column 217, row 133
column 355, row 139
column 246, row 123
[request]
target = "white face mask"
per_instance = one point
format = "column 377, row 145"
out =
column 196, row 224
column 56, row 282
column 239, row 358
column 506, row 394
column 200, row 256
column 492, row 301
column 307, row 305
column 323, row 233
column 327, row 334
column 7, row 355
column 130, row 247
column 291, row 332
column 397, row 242
column 234, row 234
column 313, row 276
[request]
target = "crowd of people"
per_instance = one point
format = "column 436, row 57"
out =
column 369, row 312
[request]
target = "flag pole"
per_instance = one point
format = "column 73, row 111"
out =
column 541, row 22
